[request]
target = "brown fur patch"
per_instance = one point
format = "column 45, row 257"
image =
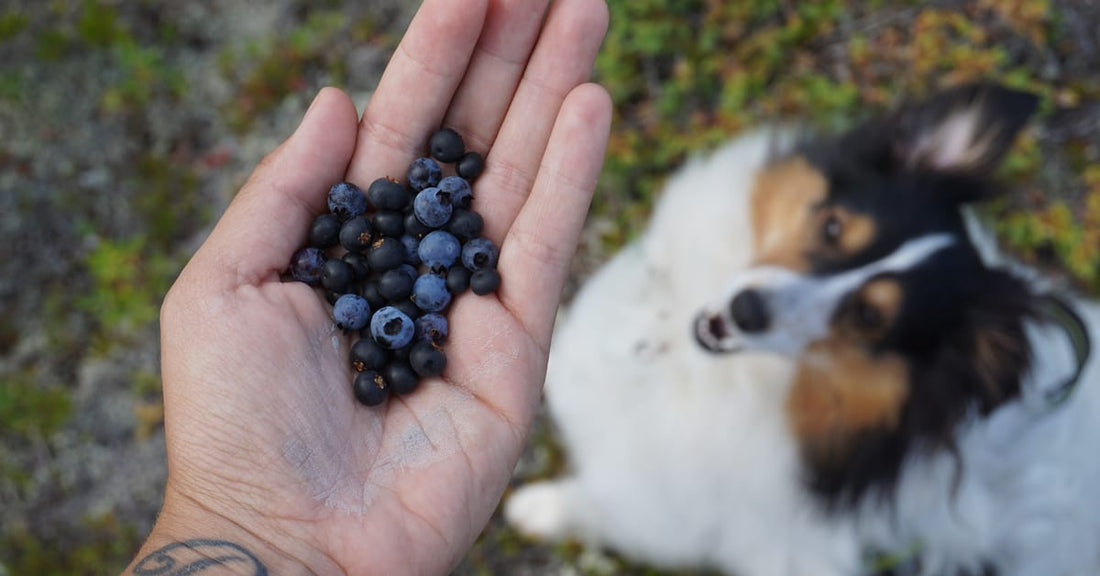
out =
column 789, row 217
column 783, row 202
column 991, row 348
column 840, row 390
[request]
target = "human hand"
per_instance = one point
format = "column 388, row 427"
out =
column 272, row 462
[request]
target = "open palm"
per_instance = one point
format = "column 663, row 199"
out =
column 262, row 428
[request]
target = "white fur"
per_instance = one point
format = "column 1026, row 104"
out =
column 679, row 457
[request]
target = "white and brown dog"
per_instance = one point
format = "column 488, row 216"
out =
column 816, row 353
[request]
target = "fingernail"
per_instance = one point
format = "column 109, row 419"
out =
column 312, row 105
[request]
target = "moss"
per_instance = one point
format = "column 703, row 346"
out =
column 30, row 408
column 98, row 544
column 12, row 22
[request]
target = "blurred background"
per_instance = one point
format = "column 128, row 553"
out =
column 127, row 126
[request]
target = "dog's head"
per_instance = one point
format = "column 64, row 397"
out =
column 866, row 275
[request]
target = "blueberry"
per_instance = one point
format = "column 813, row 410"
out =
column 470, row 166
column 370, row 388
column 458, row 279
column 358, row 263
column 391, row 328
column 430, row 293
column 387, row 194
column 373, row 295
column 324, row 232
column 346, row 200
column 395, row 284
column 409, row 308
column 366, row 354
column 386, row 254
column 414, row 227
column 337, row 276
column 465, row 224
column 432, row 207
column 356, row 234
column 307, row 265
column 389, row 223
column 462, row 195
column 427, row 359
column 401, row 354
column 432, row 326
column 439, row 249
column 400, row 377
column 412, row 245
column 479, row 253
column 351, row 312
column 446, row 145
column 485, row 281
column 423, row 173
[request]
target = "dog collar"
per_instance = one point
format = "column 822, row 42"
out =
column 1060, row 313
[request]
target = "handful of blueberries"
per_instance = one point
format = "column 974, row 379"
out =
column 391, row 260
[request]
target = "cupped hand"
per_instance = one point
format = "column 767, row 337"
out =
column 268, row 450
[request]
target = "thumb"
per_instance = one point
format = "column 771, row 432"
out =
column 269, row 219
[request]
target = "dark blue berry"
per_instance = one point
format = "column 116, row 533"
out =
column 439, row 250
column 357, row 234
column 485, row 281
column 307, row 265
column 458, row 279
column 366, row 354
column 430, row 293
column 423, row 173
column 395, row 284
column 414, row 227
column 409, row 308
column 391, row 328
column 358, row 263
column 351, row 312
column 432, row 207
column 325, row 231
column 462, row 195
column 432, row 326
column 386, row 254
column 470, row 166
column 465, row 224
column 337, row 276
column 387, row 194
column 446, row 145
column 479, row 253
column 370, row 388
column 412, row 245
column 427, row 359
column 346, row 200
column 401, row 378
column 373, row 295
column 389, row 223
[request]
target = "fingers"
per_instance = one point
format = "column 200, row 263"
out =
column 536, row 253
column 416, row 88
column 562, row 60
column 478, row 108
column 269, row 219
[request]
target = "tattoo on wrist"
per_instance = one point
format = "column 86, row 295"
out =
column 197, row 557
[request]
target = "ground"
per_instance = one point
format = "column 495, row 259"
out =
column 125, row 128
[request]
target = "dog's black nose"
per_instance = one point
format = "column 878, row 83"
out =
column 749, row 311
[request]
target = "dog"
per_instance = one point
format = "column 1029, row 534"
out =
column 815, row 357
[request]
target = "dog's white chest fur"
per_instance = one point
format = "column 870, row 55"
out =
column 678, row 457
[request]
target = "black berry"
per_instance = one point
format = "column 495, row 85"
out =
column 325, row 231
column 446, row 145
column 401, row 378
column 370, row 388
column 427, row 359
column 356, row 234
column 470, row 166
column 485, row 281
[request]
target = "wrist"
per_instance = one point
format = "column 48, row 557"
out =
column 190, row 538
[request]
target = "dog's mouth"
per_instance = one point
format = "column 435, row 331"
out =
column 713, row 334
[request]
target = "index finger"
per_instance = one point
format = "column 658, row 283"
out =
column 416, row 88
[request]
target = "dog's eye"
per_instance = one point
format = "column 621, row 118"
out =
column 867, row 317
column 831, row 230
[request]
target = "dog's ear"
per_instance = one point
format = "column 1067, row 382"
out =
column 963, row 130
